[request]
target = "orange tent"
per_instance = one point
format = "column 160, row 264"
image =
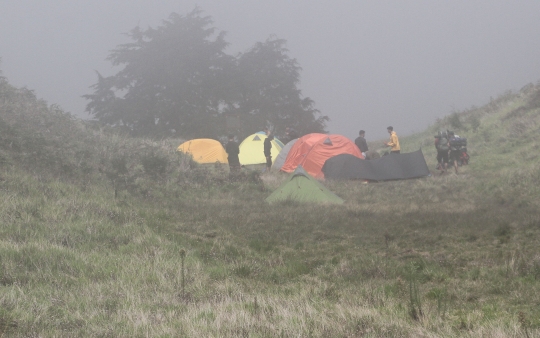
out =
column 312, row 150
column 204, row 150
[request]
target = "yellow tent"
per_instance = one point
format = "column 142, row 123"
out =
column 204, row 150
column 252, row 149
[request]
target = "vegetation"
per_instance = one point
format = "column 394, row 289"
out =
column 176, row 79
column 109, row 236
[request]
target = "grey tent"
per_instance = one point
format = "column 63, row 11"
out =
column 280, row 159
column 390, row 167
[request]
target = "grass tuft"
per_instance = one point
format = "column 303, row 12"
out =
column 107, row 235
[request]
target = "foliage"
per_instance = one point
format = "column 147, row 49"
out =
column 171, row 78
column 49, row 142
column 155, row 165
column 176, row 79
column 475, row 123
column 268, row 94
column 455, row 122
column 188, row 252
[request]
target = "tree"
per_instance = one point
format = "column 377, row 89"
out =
column 178, row 77
column 173, row 78
column 267, row 92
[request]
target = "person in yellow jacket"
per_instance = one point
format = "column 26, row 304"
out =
column 394, row 141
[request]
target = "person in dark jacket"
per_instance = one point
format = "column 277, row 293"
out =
column 267, row 149
column 455, row 152
column 361, row 143
column 290, row 134
column 442, row 145
column 233, row 151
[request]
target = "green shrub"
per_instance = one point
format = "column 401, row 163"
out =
column 155, row 165
column 455, row 122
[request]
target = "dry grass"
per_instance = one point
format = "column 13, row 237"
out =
column 84, row 256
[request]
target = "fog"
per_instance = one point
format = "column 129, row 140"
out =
column 366, row 64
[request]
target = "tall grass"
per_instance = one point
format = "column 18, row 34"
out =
column 123, row 237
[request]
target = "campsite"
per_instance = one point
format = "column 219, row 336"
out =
column 108, row 235
column 269, row 169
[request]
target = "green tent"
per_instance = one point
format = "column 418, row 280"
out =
column 301, row 187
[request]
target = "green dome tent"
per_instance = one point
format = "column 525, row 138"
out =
column 301, row 187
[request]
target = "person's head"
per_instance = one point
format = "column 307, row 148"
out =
column 390, row 129
column 267, row 131
column 362, row 133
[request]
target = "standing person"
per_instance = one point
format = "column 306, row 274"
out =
column 394, row 141
column 291, row 134
column 455, row 151
column 442, row 145
column 268, row 148
column 436, row 143
column 361, row 143
column 233, row 150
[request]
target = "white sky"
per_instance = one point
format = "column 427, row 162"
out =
column 367, row 64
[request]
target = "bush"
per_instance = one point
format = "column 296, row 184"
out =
column 155, row 165
column 474, row 120
column 455, row 122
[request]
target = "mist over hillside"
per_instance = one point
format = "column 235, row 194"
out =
column 366, row 65
column 106, row 234
column 39, row 137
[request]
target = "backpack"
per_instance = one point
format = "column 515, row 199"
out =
column 457, row 143
column 442, row 145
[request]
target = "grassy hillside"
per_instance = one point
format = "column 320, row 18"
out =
column 108, row 236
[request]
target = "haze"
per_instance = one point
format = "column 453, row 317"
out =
column 367, row 64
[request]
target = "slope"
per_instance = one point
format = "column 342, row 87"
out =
column 96, row 247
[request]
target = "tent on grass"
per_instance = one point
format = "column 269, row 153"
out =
column 204, row 150
column 252, row 149
column 282, row 157
column 275, row 139
column 390, row 167
column 301, row 187
column 312, row 150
